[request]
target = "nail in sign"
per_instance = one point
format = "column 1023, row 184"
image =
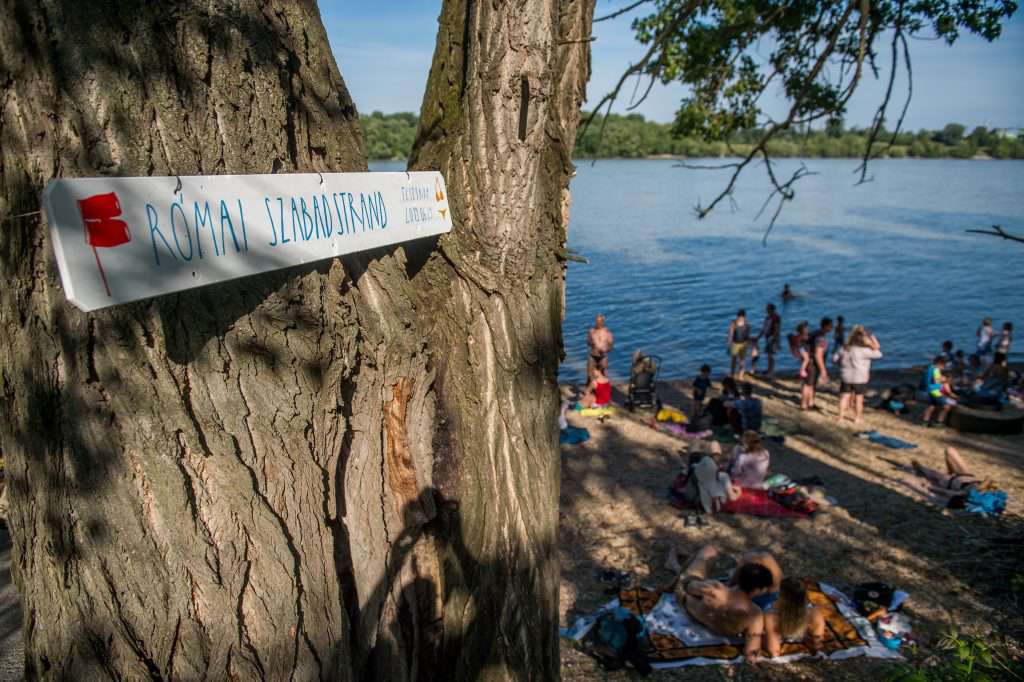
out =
column 160, row 235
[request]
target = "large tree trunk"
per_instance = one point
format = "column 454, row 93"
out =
column 340, row 472
column 499, row 120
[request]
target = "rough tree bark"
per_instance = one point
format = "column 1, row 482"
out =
column 347, row 471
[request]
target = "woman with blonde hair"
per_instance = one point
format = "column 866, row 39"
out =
column 855, row 371
column 792, row 618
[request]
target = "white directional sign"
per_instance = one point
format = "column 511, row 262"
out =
column 124, row 239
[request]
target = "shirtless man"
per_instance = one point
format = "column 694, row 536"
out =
column 764, row 558
column 601, row 342
column 727, row 610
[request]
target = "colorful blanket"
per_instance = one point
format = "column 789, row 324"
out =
column 677, row 640
column 677, row 430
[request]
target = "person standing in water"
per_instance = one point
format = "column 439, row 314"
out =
column 770, row 333
column 738, row 340
column 787, row 294
column 601, row 342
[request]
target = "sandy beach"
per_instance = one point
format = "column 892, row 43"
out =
column 959, row 569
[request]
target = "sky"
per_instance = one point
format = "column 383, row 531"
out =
column 384, row 49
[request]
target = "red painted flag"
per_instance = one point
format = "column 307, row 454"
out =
column 102, row 229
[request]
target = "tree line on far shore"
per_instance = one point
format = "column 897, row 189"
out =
column 390, row 137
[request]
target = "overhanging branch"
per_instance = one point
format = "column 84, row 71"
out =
column 998, row 231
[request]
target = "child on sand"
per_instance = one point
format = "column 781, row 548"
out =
column 701, row 384
column 934, row 382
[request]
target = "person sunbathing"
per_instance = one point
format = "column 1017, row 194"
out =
column 599, row 390
column 763, row 558
column 792, row 618
column 723, row 609
column 956, row 484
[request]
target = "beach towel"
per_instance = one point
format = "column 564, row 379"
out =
column 773, row 428
column 677, row 641
column 606, row 411
column 677, row 430
column 760, row 503
column 571, row 435
column 670, row 414
column 887, row 441
column 991, row 502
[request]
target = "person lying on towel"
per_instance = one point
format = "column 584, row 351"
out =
column 726, row 610
column 788, row 616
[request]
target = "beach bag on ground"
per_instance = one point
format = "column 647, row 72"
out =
column 793, row 499
column 618, row 637
column 872, row 597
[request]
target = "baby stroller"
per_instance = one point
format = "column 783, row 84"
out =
column 643, row 391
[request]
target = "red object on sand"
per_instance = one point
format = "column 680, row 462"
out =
column 102, row 228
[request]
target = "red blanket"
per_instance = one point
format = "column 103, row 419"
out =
column 758, row 503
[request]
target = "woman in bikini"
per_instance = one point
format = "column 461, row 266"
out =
column 955, row 485
column 792, row 619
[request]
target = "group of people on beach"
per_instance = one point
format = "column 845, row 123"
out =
column 983, row 376
column 985, row 373
column 757, row 602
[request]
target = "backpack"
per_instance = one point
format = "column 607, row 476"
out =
column 619, row 636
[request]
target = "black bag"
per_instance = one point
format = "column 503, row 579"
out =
column 870, row 597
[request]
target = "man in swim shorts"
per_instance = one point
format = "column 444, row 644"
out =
column 738, row 340
column 727, row 610
column 767, row 599
column 601, row 342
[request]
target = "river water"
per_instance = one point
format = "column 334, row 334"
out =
column 891, row 254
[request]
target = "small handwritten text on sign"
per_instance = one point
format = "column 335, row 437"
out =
column 124, row 239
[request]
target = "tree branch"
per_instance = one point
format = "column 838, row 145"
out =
column 879, row 119
column 610, row 98
column 620, row 12
column 762, row 145
column 998, row 231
